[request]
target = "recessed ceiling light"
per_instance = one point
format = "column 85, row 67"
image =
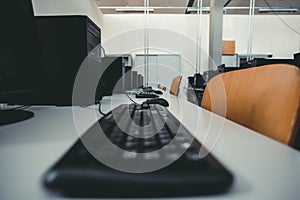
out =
column 287, row 10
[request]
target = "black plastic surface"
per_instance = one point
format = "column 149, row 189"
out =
column 159, row 101
column 146, row 95
column 13, row 116
column 79, row 174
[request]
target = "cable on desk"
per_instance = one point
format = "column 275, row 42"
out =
column 99, row 104
column 99, row 108
column 23, row 107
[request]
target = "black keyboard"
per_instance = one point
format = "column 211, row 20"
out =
column 146, row 95
column 157, row 156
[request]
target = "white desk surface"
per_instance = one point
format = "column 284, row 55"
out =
column 262, row 168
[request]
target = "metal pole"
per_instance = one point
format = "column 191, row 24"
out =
column 199, row 35
column 215, row 33
column 250, row 30
column 146, row 42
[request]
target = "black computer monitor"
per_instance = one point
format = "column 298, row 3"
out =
column 140, row 81
column 248, row 64
column 134, row 80
column 128, row 79
column 110, row 80
column 20, row 59
column 297, row 59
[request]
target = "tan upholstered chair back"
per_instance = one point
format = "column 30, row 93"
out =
column 175, row 85
column 265, row 99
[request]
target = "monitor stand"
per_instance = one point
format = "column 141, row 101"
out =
column 13, row 116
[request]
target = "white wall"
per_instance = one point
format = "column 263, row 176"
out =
column 270, row 34
column 124, row 33
column 69, row 7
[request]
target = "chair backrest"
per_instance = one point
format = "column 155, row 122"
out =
column 175, row 85
column 161, row 87
column 264, row 99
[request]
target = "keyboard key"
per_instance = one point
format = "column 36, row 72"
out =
column 131, row 146
column 152, row 156
column 129, row 155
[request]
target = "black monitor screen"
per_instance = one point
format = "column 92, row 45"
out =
column 111, row 76
column 19, row 55
column 248, row 64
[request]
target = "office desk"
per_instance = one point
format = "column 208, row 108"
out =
column 262, row 168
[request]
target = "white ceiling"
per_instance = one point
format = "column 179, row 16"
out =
column 179, row 6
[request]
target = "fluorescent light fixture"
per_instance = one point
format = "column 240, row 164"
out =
column 204, row 9
column 287, row 10
column 134, row 9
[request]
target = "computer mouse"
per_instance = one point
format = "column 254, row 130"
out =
column 151, row 90
column 157, row 91
column 159, row 101
column 147, row 90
